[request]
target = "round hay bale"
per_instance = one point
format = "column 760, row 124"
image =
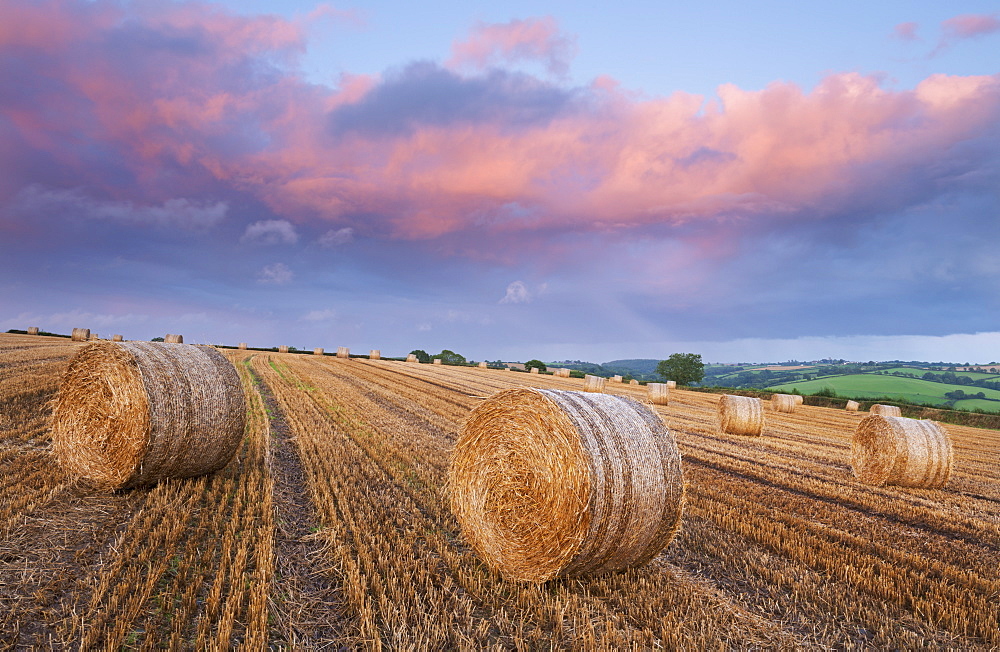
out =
column 483, row 365
column 886, row 410
column 437, row 360
column 242, row 346
column 659, row 393
column 633, row 382
column 783, row 403
column 133, row 413
column 549, row 483
column 798, row 398
column 594, row 383
column 343, row 352
column 616, row 379
column 80, row 334
column 671, row 384
column 94, row 337
column 283, row 349
column 411, row 358
column 852, row 406
column 174, row 339
column 534, row 370
column 318, row 350
column 374, row 354
column 741, row 415
column 901, row 451
column 32, row 330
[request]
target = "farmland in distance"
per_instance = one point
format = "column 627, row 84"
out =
column 331, row 528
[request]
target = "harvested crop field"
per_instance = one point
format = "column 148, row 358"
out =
column 331, row 529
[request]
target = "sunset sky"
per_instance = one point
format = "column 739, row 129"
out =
column 749, row 181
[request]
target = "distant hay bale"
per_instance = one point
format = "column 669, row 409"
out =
column 437, row 360
column 534, row 370
column 741, row 415
column 633, row 382
column 783, row 403
column 94, row 337
column 374, row 354
column 174, row 339
column 242, row 346
column 616, row 379
column 117, row 338
column 318, row 350
column 483, row 365
column 32, row 330
column 561, row 373
column 283, row 349
column 671, row 384
column 134, row 413
column 549, row 483
column 900, row 451
column 411, row 358
column 659, row 393
column 594, row 383
column 80, row 334
column 343, row 352
column 886, row 410
column 852, row 406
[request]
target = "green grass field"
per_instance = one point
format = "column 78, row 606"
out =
column 910, row 389
column 975, row 375
column 977, row 404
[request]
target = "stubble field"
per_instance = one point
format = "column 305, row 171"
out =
column 331, row 530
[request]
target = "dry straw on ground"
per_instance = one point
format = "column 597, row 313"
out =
column 741, row 415
column 852, row 406
column 659, row 393
column 242, row 346
column 783, row 403
column 174, row 339
column 886, row 410
column 318, row 350
column 900, row 451
column 81, row 334
column 549, row 483
column 374, row 354
column 117, row 338
column 671, row 384
column 411, row 358
column 283, row 349
column 343, row 352
column 594, row 383
column 133, row 413
column 32, row 330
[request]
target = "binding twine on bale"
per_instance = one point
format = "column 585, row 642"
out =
column 741, row 415
column 174, row 339
column 134, row 413
column 659, row 393
column 80, row 334
column 783, row 403
column 549, row 483
column 886, row 410
column 852, row 406
column 594, row 383
column 900, row 451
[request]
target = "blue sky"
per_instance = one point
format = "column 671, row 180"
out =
column 750, row 182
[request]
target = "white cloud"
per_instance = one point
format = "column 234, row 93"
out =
column 517, row 292
column 337, row 237
column 270, row 232
column 275, row 274
column 423, row 327
column 320, row 315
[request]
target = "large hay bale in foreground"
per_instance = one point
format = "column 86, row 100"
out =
column 741, row 415
column 133, row 413
column 901, row 451
column 318, row 350
column 671, row 384
column 411, row 358
column 886, row 410
column 174, row 339
column 117, row 338
column 783, row 403
column 375, row 354
column 80, row 334
column 549, row 483
column 32, row 330
column 594, row 383
column 343, row 352
column 659, row 393
column 852, row 406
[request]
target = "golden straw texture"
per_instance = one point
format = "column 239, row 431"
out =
column 901, row 451
column 32, row 330
column 783, row 403
column 659, row 393
column 343, row 352
column 594, row 383
column 374, row 354
column 318, row 350
column 741, row 415
column 174, row 339
column 852, row 406
column 549, row 483
column 117, row 338
column 134, row 413
column 886, row 410
column 81, row 334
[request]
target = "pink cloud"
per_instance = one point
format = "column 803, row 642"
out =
column 905, row 31
column 970, row 25
column 532, row 39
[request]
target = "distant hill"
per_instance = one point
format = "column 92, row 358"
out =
column 641, row 368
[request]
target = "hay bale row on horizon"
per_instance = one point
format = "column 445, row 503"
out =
column 343, row 352
column 173, row 339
